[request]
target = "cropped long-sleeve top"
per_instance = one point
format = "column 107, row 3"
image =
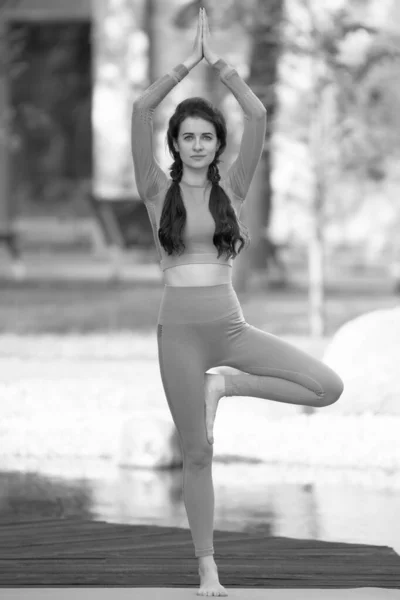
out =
column 153, row 183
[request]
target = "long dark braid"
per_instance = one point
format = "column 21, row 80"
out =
column 213, row 173
column 177, row 169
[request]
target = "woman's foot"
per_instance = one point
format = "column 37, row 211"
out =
column 214, row 387
column 209, row 581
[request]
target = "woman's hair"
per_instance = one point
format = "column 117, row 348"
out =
column 173, row 216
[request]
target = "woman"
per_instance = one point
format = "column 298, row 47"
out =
column 200, row 322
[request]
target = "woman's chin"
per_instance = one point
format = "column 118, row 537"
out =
column 197, row 164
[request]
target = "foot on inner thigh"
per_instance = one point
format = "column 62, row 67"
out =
column 209, row 581
column 214, row 387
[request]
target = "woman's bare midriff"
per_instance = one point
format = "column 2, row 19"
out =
column 197, row 275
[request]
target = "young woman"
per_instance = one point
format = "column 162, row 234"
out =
column 195, row 220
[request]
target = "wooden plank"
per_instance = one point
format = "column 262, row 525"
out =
column 70, row 552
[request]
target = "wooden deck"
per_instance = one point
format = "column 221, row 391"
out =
column 73, row 552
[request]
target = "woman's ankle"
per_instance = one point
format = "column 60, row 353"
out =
column 206, row 561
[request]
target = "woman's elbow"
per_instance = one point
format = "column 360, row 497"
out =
column 262, row 115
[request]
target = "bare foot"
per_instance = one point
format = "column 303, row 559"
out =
column 209, row 582
column 214, row 387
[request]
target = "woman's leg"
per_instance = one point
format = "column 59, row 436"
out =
column 182, row 366
column 277, row 370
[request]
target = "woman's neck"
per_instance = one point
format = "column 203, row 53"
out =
column 194, row 183
column 195, row 179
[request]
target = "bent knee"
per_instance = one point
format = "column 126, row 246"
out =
column 332, row 391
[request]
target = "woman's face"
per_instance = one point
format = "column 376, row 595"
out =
column 197, row 137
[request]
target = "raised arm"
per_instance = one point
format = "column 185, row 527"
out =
column 241, row 172
column 150, row 178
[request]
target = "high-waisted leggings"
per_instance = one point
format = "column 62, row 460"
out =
column 200, row 328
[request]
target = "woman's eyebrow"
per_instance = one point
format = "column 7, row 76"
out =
column 191, row 132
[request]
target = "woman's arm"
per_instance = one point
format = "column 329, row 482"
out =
column 242, row 170
column 150, row 178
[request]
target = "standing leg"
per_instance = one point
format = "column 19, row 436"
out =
column 182, row 371
column 183, row 365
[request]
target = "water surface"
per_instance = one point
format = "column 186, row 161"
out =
column 274, row 500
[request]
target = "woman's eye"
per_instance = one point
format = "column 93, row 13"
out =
column 190, row 137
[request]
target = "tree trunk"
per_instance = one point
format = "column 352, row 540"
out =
column 316, row 262
column 262, row 80
column 319, row 131
column 5, row 206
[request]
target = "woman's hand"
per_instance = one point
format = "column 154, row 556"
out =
column 208, row 54
column 197, row 52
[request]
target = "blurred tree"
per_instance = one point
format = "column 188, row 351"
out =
column 342, row 133
column 7, row 210
column 265, row 32
column 5, row 216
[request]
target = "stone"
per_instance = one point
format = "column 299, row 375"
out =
column 365, row 352
column 149, row 440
